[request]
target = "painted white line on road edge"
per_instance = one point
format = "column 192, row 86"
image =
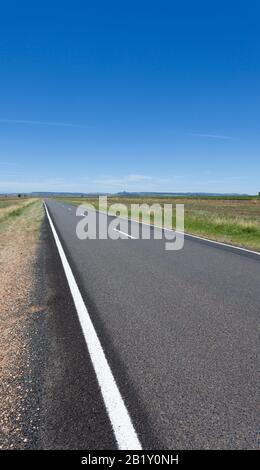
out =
column 124, row 233
column 189, row 235
column 124, row 431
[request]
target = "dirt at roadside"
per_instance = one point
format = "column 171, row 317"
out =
column 18, row 247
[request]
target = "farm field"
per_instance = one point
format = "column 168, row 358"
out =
column 229, row 220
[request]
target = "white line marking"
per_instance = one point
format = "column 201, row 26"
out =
column 124, row 233
column 185, row 233
column 239, row 248
column 69, row 209
column 124, row 431
column 219, row 243
column 191, row 235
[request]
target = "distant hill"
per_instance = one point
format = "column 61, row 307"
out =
column 145, row 194
column 64, row 194
column 129, row 194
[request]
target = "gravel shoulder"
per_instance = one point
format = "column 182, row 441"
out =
column 49, row 396
column 19, row 242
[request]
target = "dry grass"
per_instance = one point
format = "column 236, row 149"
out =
column 13, row 207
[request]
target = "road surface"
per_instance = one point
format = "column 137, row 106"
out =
column 179, row 332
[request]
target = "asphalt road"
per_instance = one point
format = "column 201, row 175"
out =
column 179, row 331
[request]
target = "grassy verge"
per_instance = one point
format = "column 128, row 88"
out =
column 230, row 220
column 21, row 215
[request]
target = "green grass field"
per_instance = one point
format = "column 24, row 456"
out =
column 234, row 220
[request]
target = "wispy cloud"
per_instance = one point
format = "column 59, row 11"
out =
column 131, row 182
column 42, row 123
column 112, row 184
column 236, row 177
column 54, row 184
column 212, row 136
column 131, row 179
column 135, row 178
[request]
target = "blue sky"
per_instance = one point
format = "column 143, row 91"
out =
column 134, row 95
